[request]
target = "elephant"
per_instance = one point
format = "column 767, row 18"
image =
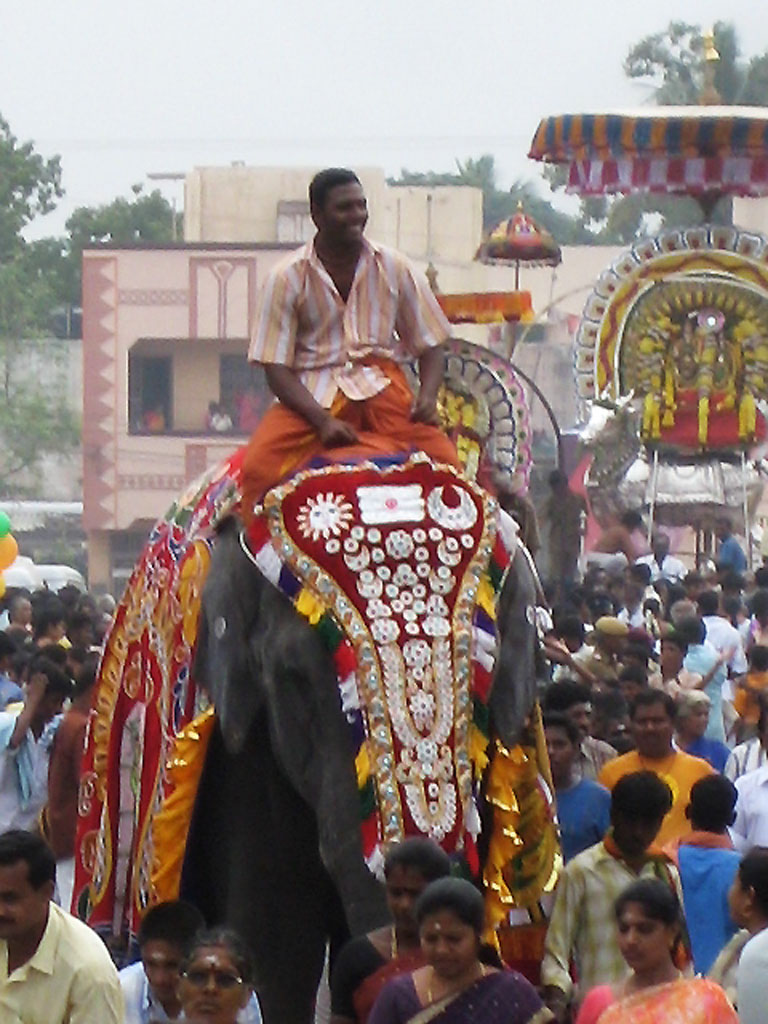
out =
column 274, row 847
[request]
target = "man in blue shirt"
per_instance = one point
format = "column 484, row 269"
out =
column 707, row 863
column 730, row 554
column 583, row 806
column 10, row 692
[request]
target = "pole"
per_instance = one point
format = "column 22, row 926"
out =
column 547, row 408
column 654, row 489
column 745, row 500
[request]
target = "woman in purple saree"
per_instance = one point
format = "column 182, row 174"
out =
column 455, row 987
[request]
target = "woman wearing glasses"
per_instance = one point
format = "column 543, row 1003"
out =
column 216, row 985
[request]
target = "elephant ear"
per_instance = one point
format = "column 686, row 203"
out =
column 225, row 662
column 514, row 686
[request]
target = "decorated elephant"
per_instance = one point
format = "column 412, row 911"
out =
column 369, row 647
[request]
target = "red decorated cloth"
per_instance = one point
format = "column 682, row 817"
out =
column 397, row 555
column 144, row 696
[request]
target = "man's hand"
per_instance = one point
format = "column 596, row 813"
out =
column 557, row 651
column 557, row 1002
column 431, row 372
column 424, row 410
column 335, row 433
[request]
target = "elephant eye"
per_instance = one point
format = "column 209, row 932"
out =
column 219, row 627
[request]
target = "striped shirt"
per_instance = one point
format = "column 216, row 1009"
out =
column 582, row 927
column 745, row 758
column 301, row 321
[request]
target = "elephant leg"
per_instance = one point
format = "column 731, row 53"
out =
column 252, row 863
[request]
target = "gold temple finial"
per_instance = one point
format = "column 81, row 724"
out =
column 710, row 52
column 709, row 96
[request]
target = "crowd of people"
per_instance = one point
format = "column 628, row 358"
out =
column 656, row 725
column 656, row 722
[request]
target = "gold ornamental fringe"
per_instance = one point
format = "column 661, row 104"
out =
column 170, row 828
column 524, row 858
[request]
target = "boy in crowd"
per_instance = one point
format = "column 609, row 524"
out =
column 583, row 806
column 746, row 702
column 707, row 863
column 25, row 742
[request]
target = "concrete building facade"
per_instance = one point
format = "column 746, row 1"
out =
column 269, row 204
column 164, row 335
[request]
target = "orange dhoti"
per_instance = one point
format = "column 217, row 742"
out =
column 284, row 439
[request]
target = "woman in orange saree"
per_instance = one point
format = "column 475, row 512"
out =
column 650, row 923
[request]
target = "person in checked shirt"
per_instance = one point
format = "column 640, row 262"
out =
column 333, row 325
column 582, row 929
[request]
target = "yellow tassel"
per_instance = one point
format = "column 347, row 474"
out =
column 703, row 420
column 362, row 765
column 651, row 417
column 486, row 598
column 747, row 416
column 311, row 607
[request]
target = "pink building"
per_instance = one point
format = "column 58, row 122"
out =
column 167, row 389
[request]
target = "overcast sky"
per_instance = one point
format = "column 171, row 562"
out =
column 121, row 89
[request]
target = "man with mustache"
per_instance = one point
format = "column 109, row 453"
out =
column 53, row 968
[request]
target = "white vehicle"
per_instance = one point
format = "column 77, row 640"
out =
column 25, row 573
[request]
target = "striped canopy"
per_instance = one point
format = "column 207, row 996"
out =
column 670, row 149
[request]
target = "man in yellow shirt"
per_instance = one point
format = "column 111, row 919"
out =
column 53, row 968
column 653, row 726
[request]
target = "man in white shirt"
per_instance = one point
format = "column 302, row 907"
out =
column 663, row 565
column 751, row 825
column 26, row 736
column 150, row 986
column 746, row 757
column 748, row 901
column 53, row 968
column 724, row 637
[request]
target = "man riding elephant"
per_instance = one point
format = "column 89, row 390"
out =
column 334, row 322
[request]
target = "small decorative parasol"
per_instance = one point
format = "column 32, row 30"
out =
column 706, row 151
column 519, row 239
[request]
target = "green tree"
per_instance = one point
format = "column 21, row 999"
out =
column 498, row 203
column 673, row 61
column 29, row 186
column 146, row 217
column 35, row 420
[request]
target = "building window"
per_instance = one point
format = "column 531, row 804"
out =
column 243, row 392
column 294, row 223
column 150, row 397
